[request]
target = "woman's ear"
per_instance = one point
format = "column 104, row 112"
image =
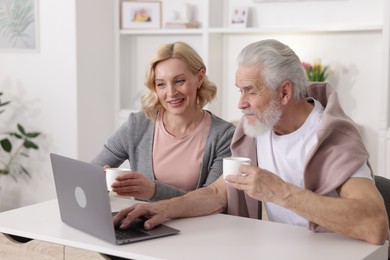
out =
column 201, row 75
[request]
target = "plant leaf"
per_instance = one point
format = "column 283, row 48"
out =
column 5, row 103
column 4, row 171
column 28, row 144
column 33, row 134
column 6, row 145
column 21, row 129
column 16, row 135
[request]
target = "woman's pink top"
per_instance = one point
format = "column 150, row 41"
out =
column 177, row 161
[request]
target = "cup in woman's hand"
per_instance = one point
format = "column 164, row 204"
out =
column 112, row 173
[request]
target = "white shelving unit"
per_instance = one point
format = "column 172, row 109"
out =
column 336, row 31
column 135, row 47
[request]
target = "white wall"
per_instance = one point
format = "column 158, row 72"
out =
column 44, row 83
column 314, row 13
column 95, row 75
column 64, row 90
column 384, row 124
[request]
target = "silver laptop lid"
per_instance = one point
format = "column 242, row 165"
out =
column 83, row 197
column 84, row 203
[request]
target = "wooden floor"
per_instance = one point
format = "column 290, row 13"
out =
column 11, row 249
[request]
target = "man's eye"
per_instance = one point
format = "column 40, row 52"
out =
column 247, row 92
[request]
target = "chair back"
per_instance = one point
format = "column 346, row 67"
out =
column 383, row 185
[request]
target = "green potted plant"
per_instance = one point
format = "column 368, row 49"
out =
column 315, row 72
column 14, row 144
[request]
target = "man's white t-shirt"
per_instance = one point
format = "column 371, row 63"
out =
column 285, row 156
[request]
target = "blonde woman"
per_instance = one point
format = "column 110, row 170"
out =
column 174, row 145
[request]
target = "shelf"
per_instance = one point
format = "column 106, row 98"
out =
column 222, row 30
column 162, row 32
column 325, row 29
column 215, row 41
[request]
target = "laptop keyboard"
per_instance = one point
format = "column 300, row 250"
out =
column 135, row 230
column 129, row 233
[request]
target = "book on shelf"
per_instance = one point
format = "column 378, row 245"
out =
column 181, row 25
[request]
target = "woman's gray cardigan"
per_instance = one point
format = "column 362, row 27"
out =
column 133, row 141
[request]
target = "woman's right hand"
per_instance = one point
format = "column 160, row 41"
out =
column 134, row 184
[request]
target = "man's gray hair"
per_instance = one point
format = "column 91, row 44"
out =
column 277, row 62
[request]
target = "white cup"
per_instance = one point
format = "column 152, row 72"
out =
column 231, row 165
column 112, row 173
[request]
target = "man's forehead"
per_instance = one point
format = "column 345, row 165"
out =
column 247, row 76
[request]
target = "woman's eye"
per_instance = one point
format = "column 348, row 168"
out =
column 160, row 85
column 180, row 81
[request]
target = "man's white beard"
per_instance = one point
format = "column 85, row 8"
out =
column 264, row 121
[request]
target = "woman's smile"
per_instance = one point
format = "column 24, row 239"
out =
column 176, row 102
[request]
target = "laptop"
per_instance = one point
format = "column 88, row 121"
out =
column 84, row 203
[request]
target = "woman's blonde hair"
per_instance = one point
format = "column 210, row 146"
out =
column 184, row 52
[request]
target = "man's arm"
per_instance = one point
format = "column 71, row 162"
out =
column 205, row 201
column 359, row 212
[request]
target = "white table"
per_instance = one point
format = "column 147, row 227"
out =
column 212, row 237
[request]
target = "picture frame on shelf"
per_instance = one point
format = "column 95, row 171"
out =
column 141, row 15
column 239, row 17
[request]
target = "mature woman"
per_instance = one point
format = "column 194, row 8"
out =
column 173, row 145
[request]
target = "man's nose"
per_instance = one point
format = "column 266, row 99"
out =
column 242, row 102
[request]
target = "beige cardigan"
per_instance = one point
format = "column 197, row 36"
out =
column 337, row 155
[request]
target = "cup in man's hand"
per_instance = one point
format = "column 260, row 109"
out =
column 112, row 173
column 231, row 165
